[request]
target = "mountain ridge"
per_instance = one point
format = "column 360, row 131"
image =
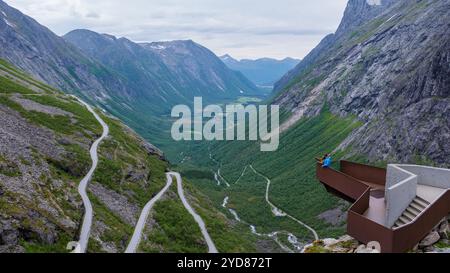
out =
column 262, row 71
column 379, row 71
column 45, row 153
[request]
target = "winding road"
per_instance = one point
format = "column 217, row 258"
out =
column 82, row 188
column 211, row 247
column 81, row 245
column 137, row 235
column 275, row 210
column 279, row 212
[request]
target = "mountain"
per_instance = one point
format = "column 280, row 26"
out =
column 376, row 91
column 161, row 76
column 45, row 140
column 200, row 69
column 35, row 49
column 387, row 65
column 165, row 72
column 131, row 81
column 262, row 72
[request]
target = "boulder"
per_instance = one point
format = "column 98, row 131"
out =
column 346, row 238
column 431, row 239
column 429, row 249
column 9, row 237
column 364, row 249
column 330, row 242
column 11, row 249
column 444, row 230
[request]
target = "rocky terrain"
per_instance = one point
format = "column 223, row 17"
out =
column 139, row 83
column 49, row 58
column 45, row 139
column 196, row 66
column 388, row 66
column 376, row 91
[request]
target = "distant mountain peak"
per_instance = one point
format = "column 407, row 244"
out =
column 363, row 71
column 358, row 12
column 226, row 57
column 262, row 71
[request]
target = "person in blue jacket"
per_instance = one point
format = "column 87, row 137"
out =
column 327, row 162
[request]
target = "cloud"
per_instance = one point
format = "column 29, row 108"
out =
column 92, row 14
column 245, row 28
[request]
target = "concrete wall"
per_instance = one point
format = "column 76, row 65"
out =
column 429, row 176
column 401, row 189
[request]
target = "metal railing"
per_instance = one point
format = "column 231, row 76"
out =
column 366, row 230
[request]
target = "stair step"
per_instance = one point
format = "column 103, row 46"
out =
column 401, row 221
column 413, row 211
column 405, row 220
column 422, row 202
column 409, row 215
column 423, row 199
column 417, row 202
column 417, row 206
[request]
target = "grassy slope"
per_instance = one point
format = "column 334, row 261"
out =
column 119, row 153
column 16, row 205
column 291, row 168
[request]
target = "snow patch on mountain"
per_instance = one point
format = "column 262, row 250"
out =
column 9, row 23
column 374, row 2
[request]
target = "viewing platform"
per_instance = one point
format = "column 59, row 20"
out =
column 396, row 207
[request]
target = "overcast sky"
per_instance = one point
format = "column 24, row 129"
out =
column 244, row 28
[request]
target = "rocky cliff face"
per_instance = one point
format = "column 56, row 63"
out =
column 137, row 83
column 45, row 139
column 37, row 50
column 387, row 65
column 358, row 12
column 199, row 69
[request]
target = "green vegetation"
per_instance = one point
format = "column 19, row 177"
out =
column 17, row 206
column 124, row 151
column 227, row 237
column 291, row 169
column 120, row 153
column 15, row 73
column 84, row 118
column 247, row 100
column 442, row 244
column 75, row 163
column 125, row 166
column 117, row 232
column 8, row 86
column 317, row 247
column 58, row 247
column 9, row 168
column 61, row 124
column 175, row 230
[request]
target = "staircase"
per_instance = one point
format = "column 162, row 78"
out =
column 417, row 206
